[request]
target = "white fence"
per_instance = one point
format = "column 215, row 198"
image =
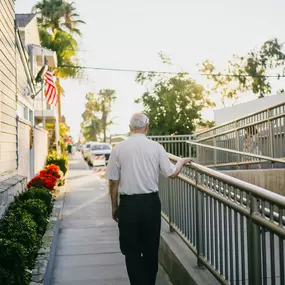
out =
column 24, row 148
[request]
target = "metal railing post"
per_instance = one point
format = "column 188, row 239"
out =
column 270, row 134
column 190, row 154
column 199, row 219
column 215, row 151
column 254, row 245
column 237, row 142
column 170, row 204
column 198, row 154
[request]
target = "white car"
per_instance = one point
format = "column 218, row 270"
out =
column 99, row 154
column 85, row 150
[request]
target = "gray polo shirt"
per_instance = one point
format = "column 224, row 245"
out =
column 136, row 162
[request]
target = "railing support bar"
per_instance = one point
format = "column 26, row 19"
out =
column 270, row 134
column 170, row 204
column 254, row 254
column 199, row 219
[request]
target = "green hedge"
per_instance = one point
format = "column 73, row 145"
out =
column 21, row 232
column 12, row 263
column 39, row 193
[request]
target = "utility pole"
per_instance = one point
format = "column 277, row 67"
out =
column 43, row 93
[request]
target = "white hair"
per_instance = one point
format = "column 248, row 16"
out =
column 139, row 121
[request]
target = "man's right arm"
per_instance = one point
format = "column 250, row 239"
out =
column 179, row 165
column 167, row 168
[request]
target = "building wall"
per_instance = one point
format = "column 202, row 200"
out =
column 270, row 179
column 24, row 147
column 231, row 113
column 8, row 106
column 40, row 148
column 24, row 92
column 32, row 33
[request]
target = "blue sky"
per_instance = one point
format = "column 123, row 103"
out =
column 130, row 33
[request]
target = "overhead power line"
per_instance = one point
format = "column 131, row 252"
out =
column 169, row 72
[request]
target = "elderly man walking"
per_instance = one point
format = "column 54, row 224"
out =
column 133, row 171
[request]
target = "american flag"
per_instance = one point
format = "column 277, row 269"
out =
column 50, row 89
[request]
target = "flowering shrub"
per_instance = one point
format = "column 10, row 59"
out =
column 43, row 180
column 61, row 161
column 24, row 224
column 53, row 170
column 49, row 177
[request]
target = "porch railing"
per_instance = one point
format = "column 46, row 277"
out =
column 235, row 229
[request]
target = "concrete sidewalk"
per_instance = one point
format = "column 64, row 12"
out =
column 88, row 251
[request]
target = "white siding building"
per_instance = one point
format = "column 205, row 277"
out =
column 19, row 158
column 8, row 91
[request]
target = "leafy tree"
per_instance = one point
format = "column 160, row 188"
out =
column 247, row 73
column 174, row 104
column 96, row 115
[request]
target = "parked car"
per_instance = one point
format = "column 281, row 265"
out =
column 99, row 154
column 79, row 147
column 85, row 150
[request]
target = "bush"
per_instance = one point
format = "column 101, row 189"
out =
column 19, row 227
column 21, row 231
column 12, row 266
column 48, row 181
column 52, row 169
column 59, row 161
column 38, row 193
column 37, row 209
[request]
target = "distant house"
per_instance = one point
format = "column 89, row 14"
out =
column 28, row 28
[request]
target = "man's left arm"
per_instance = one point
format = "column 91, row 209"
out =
column 114, row 192
column 113, row 174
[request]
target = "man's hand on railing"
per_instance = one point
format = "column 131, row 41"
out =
column 189, row 160
column 179, row 165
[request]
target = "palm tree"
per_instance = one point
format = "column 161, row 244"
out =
column 71, row 18
column 53, row 16
column 58, row 15
column 96, row 115
column 66, row 48
column 106, row 100
column 58, row 21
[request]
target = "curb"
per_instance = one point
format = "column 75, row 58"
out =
column 42, row 272
column 179, row 261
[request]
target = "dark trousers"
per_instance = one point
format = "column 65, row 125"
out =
column 139, row 225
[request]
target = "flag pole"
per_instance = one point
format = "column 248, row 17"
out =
column 43, row 93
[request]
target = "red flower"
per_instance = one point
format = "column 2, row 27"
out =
column 48, row 182
column 48, row 177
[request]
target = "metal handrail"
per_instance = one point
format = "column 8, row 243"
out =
column 242, row 118
column 250, row 188
column 173, row 136
column 225, row 222
column 261, row 157
column 238, row 128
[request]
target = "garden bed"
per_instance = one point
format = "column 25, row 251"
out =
column 42, row 271
column 29, row 227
